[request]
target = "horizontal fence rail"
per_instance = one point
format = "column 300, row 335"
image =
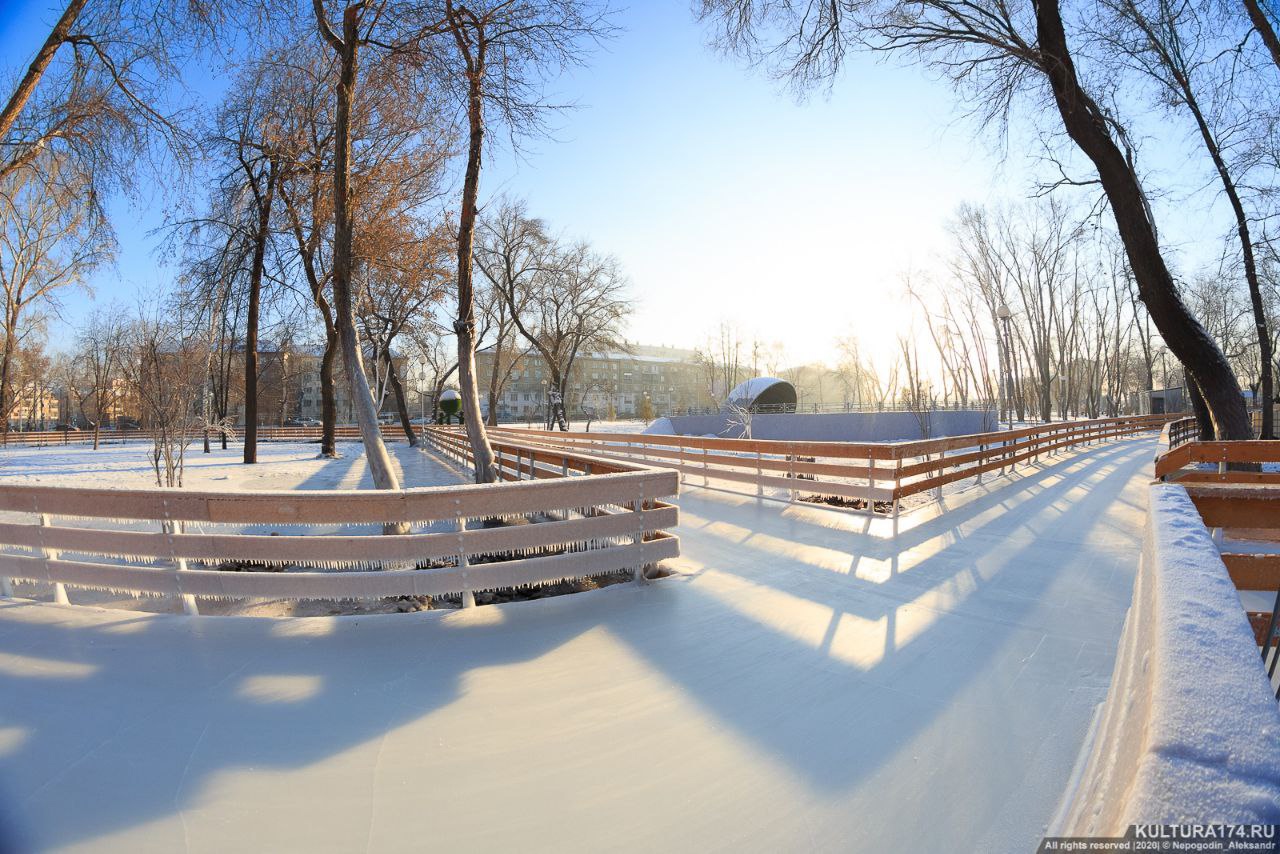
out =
column 873, row 473
column 46, row 438
column 561, row 516
column 1237, row 494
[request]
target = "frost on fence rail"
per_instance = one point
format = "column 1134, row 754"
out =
column 462, row 539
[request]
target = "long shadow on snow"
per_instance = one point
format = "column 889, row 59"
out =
column 1019, row 501
column 125, row 721
column 154, row 702
column 792, row 700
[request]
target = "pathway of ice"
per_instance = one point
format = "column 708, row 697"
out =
column 808, row 683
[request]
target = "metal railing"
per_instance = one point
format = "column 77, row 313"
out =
column 1181, row 431
column 565, row 515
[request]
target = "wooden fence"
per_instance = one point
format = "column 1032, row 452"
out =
column 1239, row 499
column 878, row 473
column 48, row 438
column 552, row 523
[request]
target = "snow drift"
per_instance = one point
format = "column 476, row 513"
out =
column 1190, row 731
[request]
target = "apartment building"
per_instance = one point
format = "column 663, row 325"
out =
column 670, row 378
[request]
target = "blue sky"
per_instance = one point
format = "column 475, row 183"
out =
column 724, row 197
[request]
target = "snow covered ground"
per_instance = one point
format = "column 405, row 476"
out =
column 808, row 681
column 281, row 465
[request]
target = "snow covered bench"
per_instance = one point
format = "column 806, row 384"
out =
column 1190, row 730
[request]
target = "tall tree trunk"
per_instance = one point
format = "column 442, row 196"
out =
column 1242, row 231
column 465, row 324
column 562, row 410
column 328, row 396
column 1199, row 408
column 492, row 419
column 264, row 202
column 6, row 378
column 27, row 85
column 402, row 406
column 1087, row 126
column 1263, row 25
column 384, row 476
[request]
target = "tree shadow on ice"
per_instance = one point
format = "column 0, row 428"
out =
column 122, row 722
column 791, row 688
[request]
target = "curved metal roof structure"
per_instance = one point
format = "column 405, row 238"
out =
column 768, row 394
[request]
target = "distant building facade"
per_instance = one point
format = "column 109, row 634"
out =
column 289, row 386
column 35, row 407
column 669, row 378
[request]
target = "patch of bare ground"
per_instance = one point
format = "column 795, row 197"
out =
column 883, row 507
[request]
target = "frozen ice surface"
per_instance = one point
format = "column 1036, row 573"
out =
column 807, row 681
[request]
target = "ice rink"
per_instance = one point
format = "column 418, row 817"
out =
column 806, row 681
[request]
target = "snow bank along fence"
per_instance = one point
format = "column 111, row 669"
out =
column 1189, row 731
column 565, row 515
column 1242, row 507
column 881, row 473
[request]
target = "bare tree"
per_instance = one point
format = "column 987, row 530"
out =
column 503, row 51
column 346, row 42
column 165, row 369
column 576, row 303
column 1169, row 44
column 50, row 238
column 510, row 251
column 100, row 352
column 407, row 276
column 93, row 92
column 996, row 52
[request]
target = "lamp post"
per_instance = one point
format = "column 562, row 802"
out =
column 1005, row 314
column 422, row 391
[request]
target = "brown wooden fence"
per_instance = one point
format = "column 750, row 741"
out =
column 880, row 473
column 47, row 438
column 555, row 523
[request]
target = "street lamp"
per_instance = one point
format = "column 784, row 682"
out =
column 422, row 390
column 1006, row 349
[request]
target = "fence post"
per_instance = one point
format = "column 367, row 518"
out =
column 189, row 606
column 59, row 590
column 871, row 486
column 982, row 458
column 759, row 474
column 637, row 538
column 706, row 469
column 460, row 525
column 897, row 488
column 791, row 474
